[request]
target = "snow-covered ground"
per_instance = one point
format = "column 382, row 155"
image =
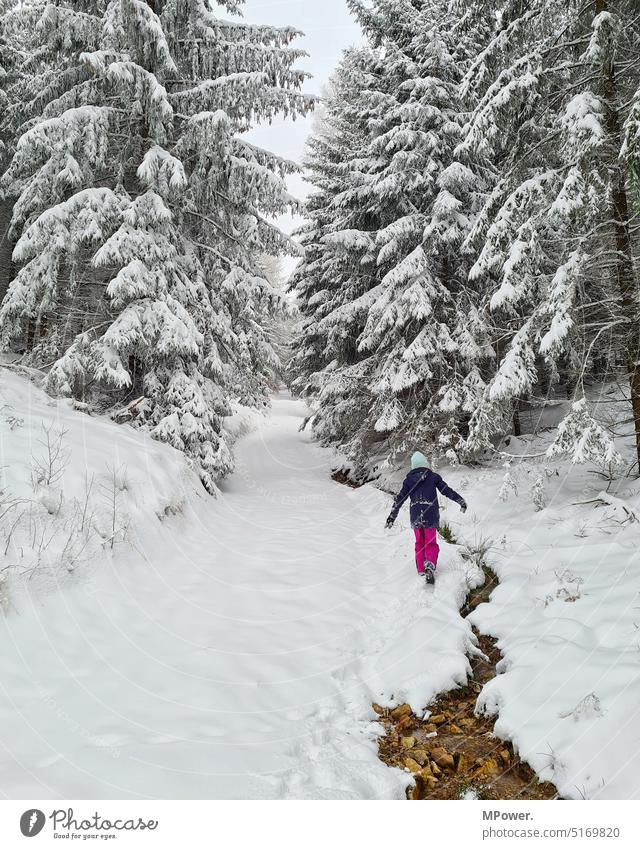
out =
column 225, row 648
column 185, row 646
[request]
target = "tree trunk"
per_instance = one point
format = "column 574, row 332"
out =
column 625, row 271
column 7, row 245
column 517, row 428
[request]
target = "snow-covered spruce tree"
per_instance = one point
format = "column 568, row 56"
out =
column 556, row 94
column 281, row 327
column 142, row 213
column 333, row 282
column 416, row 374
column 388, row 353
column 6, row 61
column 17, row 21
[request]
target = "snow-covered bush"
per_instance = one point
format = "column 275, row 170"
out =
column 509, row 486
column 538, row 493
column 583, row 439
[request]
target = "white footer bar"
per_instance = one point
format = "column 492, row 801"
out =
column 325, row 825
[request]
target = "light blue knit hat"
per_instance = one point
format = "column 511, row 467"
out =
column 419, row 461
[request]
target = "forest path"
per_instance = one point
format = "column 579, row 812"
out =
column 235, row 651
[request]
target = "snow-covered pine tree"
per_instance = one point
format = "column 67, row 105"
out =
column 392, row 353
column 142, row 212
column 281, row 327
column 555, row 90
column 423, row 192
column 333, row 282
column 17, row 21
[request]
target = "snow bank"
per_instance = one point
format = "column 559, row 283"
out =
column 75, row 487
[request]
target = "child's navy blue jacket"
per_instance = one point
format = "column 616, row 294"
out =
column 422, row 486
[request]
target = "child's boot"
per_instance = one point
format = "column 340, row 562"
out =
column 430, row 573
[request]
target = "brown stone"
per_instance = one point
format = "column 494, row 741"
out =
column 430, row 728
column 442, row 758
column 408, row 742
column 412, row 765
column 405, row 723
column 488, row 768
column 424, row 783
column 438, row 719
column 379, row 710
column 401, row 711
column 435, row 769
column 467, row 722
column 420, row 755
column 505, row 757
column 453, row 729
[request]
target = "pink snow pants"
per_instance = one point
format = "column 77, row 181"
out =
column 427, row 548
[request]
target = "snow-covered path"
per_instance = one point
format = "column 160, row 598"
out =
column 235, row 652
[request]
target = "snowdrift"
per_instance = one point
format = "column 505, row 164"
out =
column 75, row 487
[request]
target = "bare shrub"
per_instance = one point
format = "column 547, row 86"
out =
column 49, row 465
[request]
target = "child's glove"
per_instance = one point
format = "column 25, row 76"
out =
column 389, row 523
column 463, row 506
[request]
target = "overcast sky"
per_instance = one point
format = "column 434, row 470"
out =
column 328, row 28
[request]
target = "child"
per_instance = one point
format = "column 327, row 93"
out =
column 421, row 485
